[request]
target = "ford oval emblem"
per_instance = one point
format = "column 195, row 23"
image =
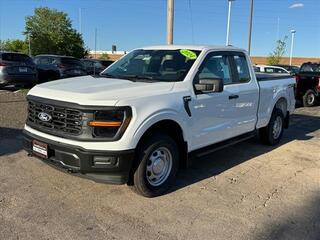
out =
column 45, row 117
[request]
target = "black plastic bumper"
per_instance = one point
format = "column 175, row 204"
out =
column 84, row 163
column 30, row 79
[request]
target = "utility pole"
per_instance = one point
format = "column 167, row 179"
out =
column 228, row 24
column 250, row 26
column 292, row 41
column 170, row 13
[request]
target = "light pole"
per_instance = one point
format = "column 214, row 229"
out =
column 29, row 44
column 80, row 20
column 250, row 27
column 292, row 41
column 228, row 23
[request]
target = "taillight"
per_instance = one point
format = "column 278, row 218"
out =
column 2, row 64
column 297, row 78
column 318, row 86
column 61, row 66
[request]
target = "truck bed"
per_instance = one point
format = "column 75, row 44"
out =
column 271, row 76
column 272, row 88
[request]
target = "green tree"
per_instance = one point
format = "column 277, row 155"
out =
column 104, row 56
column 278, row 52
column 15, row 45
column 51, row 32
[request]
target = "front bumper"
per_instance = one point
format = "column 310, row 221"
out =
column 81, row 162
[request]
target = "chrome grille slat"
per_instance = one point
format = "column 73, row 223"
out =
column 64, row 120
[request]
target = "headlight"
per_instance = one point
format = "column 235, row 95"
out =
column 111, row 123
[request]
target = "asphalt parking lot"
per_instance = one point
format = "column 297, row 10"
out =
column 247, row 191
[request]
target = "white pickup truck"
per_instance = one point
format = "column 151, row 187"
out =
column 147, row 113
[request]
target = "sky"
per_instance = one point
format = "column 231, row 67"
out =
column 131, row 24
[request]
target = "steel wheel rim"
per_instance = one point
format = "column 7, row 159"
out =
column 159, row 166
column 277, row 127
column 310, row 98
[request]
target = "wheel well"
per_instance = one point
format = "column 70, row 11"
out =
column 282, row 105
column 172, row 129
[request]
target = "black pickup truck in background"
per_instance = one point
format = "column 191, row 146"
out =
column 308, row 84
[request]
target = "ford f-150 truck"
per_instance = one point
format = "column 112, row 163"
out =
column 145, row 115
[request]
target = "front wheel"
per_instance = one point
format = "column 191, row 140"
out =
column 309, row 99
column 272, row 133
column 156, row 167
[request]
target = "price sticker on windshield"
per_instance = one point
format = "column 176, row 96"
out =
column 188, row 54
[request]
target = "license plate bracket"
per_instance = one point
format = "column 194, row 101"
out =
column 40, row 149
column 23, row 69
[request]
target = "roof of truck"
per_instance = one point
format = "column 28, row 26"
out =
column 194, row 47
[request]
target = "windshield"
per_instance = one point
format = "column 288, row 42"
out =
column 154, row 65
column 310, row 67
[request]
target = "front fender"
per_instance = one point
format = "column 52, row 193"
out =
column 166, row 114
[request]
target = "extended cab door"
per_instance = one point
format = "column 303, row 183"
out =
column 214, row 115
column 246, row 104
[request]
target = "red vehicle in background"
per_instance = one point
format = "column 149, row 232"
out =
column 308, row 84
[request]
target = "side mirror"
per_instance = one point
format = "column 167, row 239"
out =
column 209, row 85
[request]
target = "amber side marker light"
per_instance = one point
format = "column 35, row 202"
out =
column 104, row 124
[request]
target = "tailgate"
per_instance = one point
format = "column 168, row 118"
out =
column 20, row 70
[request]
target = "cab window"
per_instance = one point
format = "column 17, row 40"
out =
column 215, row 66
column 242, row 68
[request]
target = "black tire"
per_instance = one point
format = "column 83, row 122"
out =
column 267, row 135
column 309, row 99
column 141, row 184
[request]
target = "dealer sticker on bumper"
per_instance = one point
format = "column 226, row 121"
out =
column 40, row 149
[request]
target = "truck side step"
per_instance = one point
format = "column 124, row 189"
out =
column 217, row 146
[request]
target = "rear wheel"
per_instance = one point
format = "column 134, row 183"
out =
column 157, row 164
column 272, row 133
column 309, row 99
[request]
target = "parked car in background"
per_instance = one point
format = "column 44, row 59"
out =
column 290, row 68
column 270, row 69
column 95, row 66
column 52, row 67
column 150, row 110
column 17, row 69
column 308, row 84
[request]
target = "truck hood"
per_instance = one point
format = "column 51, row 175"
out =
column 88, row 90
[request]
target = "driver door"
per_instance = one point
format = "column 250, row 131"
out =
column 214, row 114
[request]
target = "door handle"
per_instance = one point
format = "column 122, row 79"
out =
column 233, row 96
column 186, row 100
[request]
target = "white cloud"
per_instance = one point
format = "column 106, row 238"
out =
column 297, row 5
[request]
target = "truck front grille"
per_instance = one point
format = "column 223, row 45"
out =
column 54, row 118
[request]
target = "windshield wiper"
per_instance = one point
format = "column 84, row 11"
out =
column 130, row 77
column 107, row 75
column 137, row 77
